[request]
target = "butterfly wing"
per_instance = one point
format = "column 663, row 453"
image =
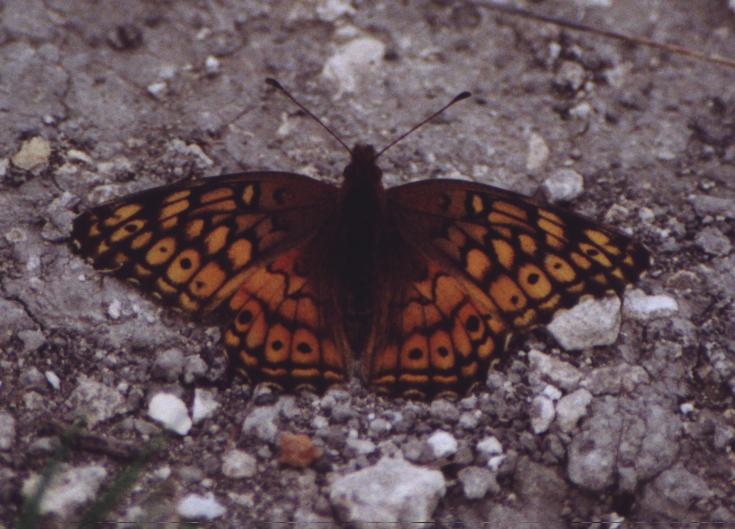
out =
column 438, row 338
column 193, row 243
column 499, row 257
column 286, row 331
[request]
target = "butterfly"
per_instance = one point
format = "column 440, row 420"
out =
column 417, row 289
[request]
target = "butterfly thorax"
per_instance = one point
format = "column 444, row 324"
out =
column 360, row 243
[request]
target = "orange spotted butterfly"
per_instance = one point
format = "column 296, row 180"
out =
column 417, row 287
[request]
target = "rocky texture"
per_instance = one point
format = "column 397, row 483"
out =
column 99, row 103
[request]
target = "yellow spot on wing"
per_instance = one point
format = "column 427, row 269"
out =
column 504, row 252
column 194, row 228
column 478, row 263
column 559, row 269
column 248, row 193
column 239, row 253
column 510, row 209
column 207, row 280
column 216, row 194
column 161, row 251
column 216, row 239
column 176, row 196
column 122, row 213
column 141, row 240
column 173, row 209
column 507, row 294
column 550, row 227
column 184, row 266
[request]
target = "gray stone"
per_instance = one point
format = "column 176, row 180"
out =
column 592, row 454
column 205, row 404
column 444, row 410
column 563, row 185
column 393, row 491
column 96, row 402
column 542, row 414
column 69, row 488
column 559, row 373
column 7, row 431
column 713, row 241
column 477, row 482
column 261, row 423
column 571, row 408
column 715, row 206
column 639, row 306
column 615, row 379
column 588, row 324
column 194, row 368
column 239, row 464
column 168, row 365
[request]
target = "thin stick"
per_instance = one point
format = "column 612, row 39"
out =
column 713, row 58
column 457, row 98
column 275, row 84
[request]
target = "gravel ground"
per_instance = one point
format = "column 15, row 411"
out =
column 105, row 98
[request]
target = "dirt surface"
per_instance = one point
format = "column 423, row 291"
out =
column 126, row 95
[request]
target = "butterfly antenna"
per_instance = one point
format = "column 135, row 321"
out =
column 278, row 86
column 457, row 99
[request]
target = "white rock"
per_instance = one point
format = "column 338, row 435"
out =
column 477, row 481
column 211, row 64
column 551, row 392
column 489, row 446
column 171, row 412
column 571, row 408
column 563, row 185
column 686, row 408
column 352, row 59
column 542, row 414
column 538, row 153
column 53, row 379
column 114, row 309
column 198, row 507
column 238, row 464
column 442, row 444
column 79, row 156
column 560, row 373
column 158, row 90
column 639, row 306
column 261, row 423
column 361, row 446
column 68, row 489
column 392, row 491
column 205, row 404
column 589, row 323
column 330, row 10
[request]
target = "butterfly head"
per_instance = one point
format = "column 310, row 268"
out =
column 362, row 167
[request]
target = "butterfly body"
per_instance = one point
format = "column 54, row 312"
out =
column 417, row 288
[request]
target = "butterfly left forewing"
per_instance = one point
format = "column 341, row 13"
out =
column 193, row 243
